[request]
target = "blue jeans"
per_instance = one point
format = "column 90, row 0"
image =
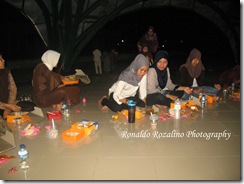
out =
column 209, row 90
column 205, row 89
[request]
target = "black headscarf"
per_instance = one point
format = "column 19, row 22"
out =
column 162, row 74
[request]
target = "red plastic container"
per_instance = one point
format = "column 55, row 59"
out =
column 55, row 115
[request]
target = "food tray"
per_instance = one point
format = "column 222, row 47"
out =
column 73, row 80
column 73, row 134
column 23, row 118
column 86, row 125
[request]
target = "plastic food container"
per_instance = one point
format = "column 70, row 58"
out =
column 55, row 115
column 73, row 80
column 211, row 98
column 87, row 126
column 183, row 105
column 138, row 114
column 73, row 134
column 20, row 116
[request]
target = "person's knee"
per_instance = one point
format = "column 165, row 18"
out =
column 153, row 99
column 149, row 101
column 116, row 109
column 141, row 104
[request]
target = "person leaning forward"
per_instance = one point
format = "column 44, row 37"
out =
column 48, row 88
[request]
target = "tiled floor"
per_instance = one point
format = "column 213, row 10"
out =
column 153, row 154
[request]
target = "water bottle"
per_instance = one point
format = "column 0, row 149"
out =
column 131, row 111
column 64, row 106
column 225, row 92
column 200, row 96
column 65, row 109
column 23, row 155
column 203, row 101
column 177, row 108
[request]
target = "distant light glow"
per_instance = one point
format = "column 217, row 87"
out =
column 122, row 41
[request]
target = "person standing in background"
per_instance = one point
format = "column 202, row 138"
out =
column 8, row 91
column 150, row 38
column 146, row 53
column 97, row 61
column 106, row 60
column 114, row 56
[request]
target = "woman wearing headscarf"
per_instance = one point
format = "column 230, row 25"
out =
column 145, row 52
column 48, row 88
column 192, row 74
column 129, row 81
column 151, row 39
column 8, row 91
column 160, row 88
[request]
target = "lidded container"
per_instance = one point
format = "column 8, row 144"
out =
column 131, row 111
column 177, row 107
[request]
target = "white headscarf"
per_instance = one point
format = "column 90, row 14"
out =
column 50, row 58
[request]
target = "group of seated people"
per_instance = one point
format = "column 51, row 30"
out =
column 48, row 88
column 153, row 82
column 146, row 82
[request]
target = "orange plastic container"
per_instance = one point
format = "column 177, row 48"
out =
column 11, row 118
column 138, row 114
column 87, row 126
column 72, row 80
column 24, row 118
column 211, row 99
column 237, row 94
column 183, row 106
column 73, row 134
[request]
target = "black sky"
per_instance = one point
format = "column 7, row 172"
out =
column 179, row 30
column 172, row 26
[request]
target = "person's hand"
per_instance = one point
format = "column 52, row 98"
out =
column 188, row 90
column 171, row 97
column 9, row 108
column 61, row 85
column 6, row 112
column 144, row 100
column 67, row 79
column 124, row 100
column 12, row 107
column 197, row 90
column 217, row 86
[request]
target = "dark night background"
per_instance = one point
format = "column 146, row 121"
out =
column 178, row 31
